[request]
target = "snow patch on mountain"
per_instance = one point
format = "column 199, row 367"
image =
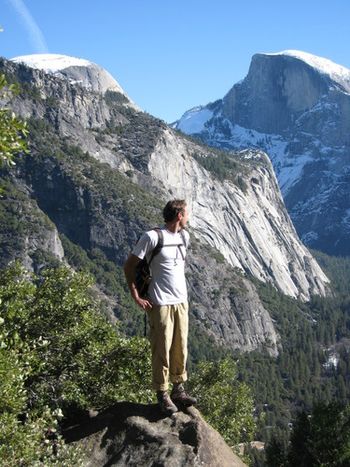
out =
column 193, row 120
column 332, row 361
column 337, row 73
column 51, row 62
column 346, row 218
column 289, row 166
column 291, row 173
column 288, row 170
column 309, row 237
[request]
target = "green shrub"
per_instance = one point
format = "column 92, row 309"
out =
column 12, row 130
column 225, row 402
column 58, row 354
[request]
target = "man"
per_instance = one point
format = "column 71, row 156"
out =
column 166, row 304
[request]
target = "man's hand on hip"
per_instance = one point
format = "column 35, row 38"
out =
column 143, row 303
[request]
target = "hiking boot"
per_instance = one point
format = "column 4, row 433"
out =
column 180, row 396
column 166, row 405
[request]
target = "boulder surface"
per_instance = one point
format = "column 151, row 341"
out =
column 131, row 434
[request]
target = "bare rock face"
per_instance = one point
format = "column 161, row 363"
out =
column 68, row 111
column 287, row 92
column 275, row 89
column 138, row 435
column 227, row 307
column 37, row 235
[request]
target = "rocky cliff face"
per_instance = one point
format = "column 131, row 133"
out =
column 24, row 228
column 296, row 107
column 100, row 170
column 226, row 305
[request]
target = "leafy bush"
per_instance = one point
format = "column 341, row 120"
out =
column 58, row 354
column 110, row 278
column 12, row 130
column 225, row 402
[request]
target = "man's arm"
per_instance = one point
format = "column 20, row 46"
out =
column 130, row 272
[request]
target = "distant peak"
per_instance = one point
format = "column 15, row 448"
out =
column 76, row 70
column 338, row 73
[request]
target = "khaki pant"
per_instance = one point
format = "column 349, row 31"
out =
column 168, row 336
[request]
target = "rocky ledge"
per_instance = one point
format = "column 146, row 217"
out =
column 131, row 434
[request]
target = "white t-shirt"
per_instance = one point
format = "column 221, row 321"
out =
column 168, row 285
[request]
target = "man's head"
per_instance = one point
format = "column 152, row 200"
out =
column 176, row 210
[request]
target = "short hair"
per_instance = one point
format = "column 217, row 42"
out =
column 172, row 209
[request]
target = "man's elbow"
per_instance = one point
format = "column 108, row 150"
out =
column 126, row 267
column 130, row 265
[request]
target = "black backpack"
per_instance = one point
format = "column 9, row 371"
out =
column 143, row 275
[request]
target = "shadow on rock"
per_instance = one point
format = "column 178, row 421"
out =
column 129, row 434
column 90, row 423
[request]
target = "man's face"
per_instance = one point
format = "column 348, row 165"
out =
column 184, row 217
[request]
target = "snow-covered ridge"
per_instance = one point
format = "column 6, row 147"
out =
column 51, row 62
column 193, row 120
column 76, row 70
column 338, row 73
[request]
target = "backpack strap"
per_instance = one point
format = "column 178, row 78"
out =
column 182, row 233
column 156, row 250
column 159, row 245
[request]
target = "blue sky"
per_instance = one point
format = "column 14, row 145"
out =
column 170, row 56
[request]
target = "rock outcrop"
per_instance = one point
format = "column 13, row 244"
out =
column 138, row 435
column 25, row 228
column 227, row 306
column 296, row 107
